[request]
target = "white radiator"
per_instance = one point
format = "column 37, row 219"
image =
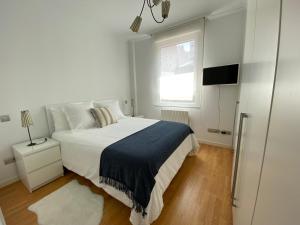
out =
column 176, row 116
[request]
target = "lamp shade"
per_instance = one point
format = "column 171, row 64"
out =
column 136, row 24
column 26, row 118
column 165, row 9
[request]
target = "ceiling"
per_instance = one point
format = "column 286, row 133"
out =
column 115, row 16
column 120, row 14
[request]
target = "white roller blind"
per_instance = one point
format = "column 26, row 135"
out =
column 177, row 72
column 179, row 65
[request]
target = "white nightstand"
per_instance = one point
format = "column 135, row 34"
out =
column 38, row 164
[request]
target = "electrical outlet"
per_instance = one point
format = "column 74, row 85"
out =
column 212, row 130
column 9, row 160
column 4, row 118
column 225, row 132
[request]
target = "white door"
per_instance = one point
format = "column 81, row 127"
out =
column 278, row 200
column 258, row 72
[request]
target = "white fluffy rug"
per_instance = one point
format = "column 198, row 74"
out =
column 72, row 204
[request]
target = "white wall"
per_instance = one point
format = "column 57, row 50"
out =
column 52, row 52
column 223, row 45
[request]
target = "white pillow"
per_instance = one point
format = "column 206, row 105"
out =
column 59, row 119
column 78, row 115
column 113, row 106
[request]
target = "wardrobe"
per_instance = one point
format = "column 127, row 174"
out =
column 266, row 170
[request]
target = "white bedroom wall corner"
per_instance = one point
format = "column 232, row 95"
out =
column 224, row 39
column 235, row 7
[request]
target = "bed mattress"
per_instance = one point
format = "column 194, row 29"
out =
column 81, row 151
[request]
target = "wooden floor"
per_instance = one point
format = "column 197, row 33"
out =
column 198, row 195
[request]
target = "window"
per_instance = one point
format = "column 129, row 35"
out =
column 178, row 71
column 177, row 66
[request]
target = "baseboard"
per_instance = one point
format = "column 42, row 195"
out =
column 8, row 181
column 202, row 141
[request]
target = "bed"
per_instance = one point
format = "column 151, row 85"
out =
column 81, row 150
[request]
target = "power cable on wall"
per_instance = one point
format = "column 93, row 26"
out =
column 219, row 107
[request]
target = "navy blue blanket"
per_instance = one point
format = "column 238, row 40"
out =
column 131, row 164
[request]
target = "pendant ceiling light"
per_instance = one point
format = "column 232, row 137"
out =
column 165, row 8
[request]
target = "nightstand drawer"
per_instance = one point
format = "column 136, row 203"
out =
column 42, row 158
column 45, row 174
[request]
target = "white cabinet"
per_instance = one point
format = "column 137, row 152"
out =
column 257, row 80
column 39, row 164
column 267, row 185
column 278, row 201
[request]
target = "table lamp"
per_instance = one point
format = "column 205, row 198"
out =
column 26, row 122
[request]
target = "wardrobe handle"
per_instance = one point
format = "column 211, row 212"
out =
column 237, row 156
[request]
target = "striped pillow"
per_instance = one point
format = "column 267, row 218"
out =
column 103, row 116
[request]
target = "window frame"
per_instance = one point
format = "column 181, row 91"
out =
column 173, row 41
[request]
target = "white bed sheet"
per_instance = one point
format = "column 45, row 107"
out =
column 81, row 151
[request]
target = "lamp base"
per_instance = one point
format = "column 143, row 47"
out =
column 31, row 144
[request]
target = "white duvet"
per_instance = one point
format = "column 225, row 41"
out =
column 81, row 151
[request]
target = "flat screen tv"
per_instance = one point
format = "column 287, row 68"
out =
column 221, row 75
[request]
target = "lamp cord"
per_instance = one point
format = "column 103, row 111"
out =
column 149, row 4
column 143, row 8
column 151, row 7
column 45, row 140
